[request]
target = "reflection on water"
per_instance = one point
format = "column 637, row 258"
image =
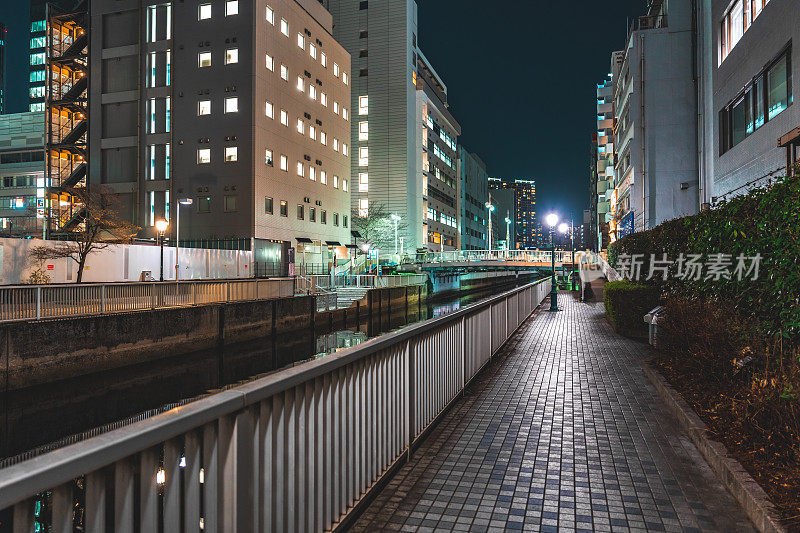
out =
column 340, row 340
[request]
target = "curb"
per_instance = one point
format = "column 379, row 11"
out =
column 730, row 472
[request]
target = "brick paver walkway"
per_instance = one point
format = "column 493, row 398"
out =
column 561, row 433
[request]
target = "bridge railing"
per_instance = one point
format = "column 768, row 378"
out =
column 369, row 281
column 293, row 451
column 468, row 256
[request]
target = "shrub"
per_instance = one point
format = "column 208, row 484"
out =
column 765, row 221
column 627, row 303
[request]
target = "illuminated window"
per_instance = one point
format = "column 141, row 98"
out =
column 312, row 92
column 363, row 130
column 270, row 63
column 284, row 118
column 268, row 157
column 312, row 51
column 300, row 168
column 335, row 182
column 312, row 173
column 203, row 156
column 336, row 107
column 344, row 148
column 336, row 69
column 270, row 15
column 204, row 107
column 284, row 163
column 231, row 7
column 301, row 127
column 301, row 41
column 300, row 84
column 284, row 73
column 323, row 99
column 312, row 133
column 335, row 144
column 363, row 182
column 204, row 59
column 323, row 59
column 363, row 156
column 284, row 27
column 284, row 208
column 323, row 177
column 323, row 138
column 232, row 104
column 231, row 56
column 344, row 113
column 344, row 77
column 204, row 12
column 231, row 154
column 363, row 207
column 270, row 110
column 363, row 105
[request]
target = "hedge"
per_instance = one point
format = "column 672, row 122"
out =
column 626, row 304
column 766, row 221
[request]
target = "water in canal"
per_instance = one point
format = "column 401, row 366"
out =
column 40, row 415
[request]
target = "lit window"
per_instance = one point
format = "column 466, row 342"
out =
column 299, row 168
column 323, row 138
column 301, row 41
column 204, row 59
column 284, row 163
column 270, row 63
column 363, row 182
column 268, row 157
column 344, row 113
column 344, row 148
column 204, row 12
column 335, row 182
column 301, row 128
column 344, row 77
column 335, row 144
column 323, row 99
column 323, row 59
column 284, row 27
column 231, row 154
column 232, row 104
column 231, row 7
column 270, row 15
column 284, row 208
column 312, row 51
column 363, row 156
column 284, row 117
column 284, row 73
column 323, row 177
column 336, row 107
column 203, row 156
column 344, row 185
column 363, row 130
column 363, row 207
column 204, row 107
column 231, row 56
column 312, row 173
column 312, row 92
column 312, row 133
column 270, row 110
column 300, row 83
column 336, row 69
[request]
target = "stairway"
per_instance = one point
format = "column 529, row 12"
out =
column 347, row 295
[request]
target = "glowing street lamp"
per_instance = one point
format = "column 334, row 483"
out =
column 490, row 207
column 508, row 234
column 161, row 227
column 552, row 220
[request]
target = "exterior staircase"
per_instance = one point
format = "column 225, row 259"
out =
column 347, row 295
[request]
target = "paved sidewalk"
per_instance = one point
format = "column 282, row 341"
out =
column 561, row 433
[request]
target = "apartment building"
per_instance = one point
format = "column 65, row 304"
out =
column 404, row 135
column 474, row 188
column 520, row 197
column 603, row 192
column 756, row 127
column 240, row 106
column 656, row 135
column 22, row 184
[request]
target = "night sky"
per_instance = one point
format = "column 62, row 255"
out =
column 521, row 77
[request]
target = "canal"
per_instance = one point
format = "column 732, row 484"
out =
column 56, row 414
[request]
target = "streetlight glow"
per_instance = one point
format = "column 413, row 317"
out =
column 563, row 227
column 551, row 219
column 161, row 226
column 490, row 207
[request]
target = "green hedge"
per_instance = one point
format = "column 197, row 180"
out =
column 627, row 303
column 766, row 221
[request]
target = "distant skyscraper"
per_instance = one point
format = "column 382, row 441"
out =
column 38, row 47
column 524, row 210
column 2, row 68
column 474, row 195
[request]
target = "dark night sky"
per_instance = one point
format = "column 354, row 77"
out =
column 521, row 78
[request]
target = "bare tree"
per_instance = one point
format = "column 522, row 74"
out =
column 377, row 228
column 98, row 225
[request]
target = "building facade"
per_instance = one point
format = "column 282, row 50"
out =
column 749, row 56
column 655, row 107
column 242, row 107
column 603, row 183
column 474, row 194
column 3, row 96
column 522, row 210
column 502, row 197
column 404, row 136
column 22, row 184
column 38, row 46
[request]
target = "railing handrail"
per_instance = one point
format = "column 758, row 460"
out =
column 132, row 283
column 27, row 478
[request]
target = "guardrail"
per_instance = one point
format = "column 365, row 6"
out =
column 57, row 301
column 370, row 281
column 468, row 256
column 293, row 451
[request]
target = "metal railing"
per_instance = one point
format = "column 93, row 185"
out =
column 36, row 302
column 293, row 451
column 369, row 281
column 508, row 256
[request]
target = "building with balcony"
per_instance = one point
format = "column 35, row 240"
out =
column 474, row 187
column 242, row 107
column 747, row 57
column 602, row 191
column 22, row 183
column 655, row 172
column 405, row 137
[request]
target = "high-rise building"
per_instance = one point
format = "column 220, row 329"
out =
column 22, row 184
column 242, row 107
column 474, row 194
column 523, row 209
column 603, row 191
column 404, row 136
column 501, row 196
column 38, row 45
column 655, row 107
column 3, row 36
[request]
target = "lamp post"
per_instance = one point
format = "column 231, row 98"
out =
column 563, row 228
column 184, row 201
column 552, row 220
column 396, row 219
column 161, row 227
column 508, row 235
column 490, row 207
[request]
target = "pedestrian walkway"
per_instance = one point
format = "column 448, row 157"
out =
column 561, row 433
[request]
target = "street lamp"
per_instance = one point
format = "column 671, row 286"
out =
column 184, row 201
column 552, row 220
column 563, row 228
column 490, row 207
column 161, row 227
column 396, row 218
column 508, row 234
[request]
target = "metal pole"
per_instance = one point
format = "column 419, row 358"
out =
column 572, row 245
column 553, row 291
column 178, row 242
column 161, row 239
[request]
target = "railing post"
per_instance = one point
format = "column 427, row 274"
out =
column 409, row 397
column 102, row 298
column 152, row 296
column 228, row 289
column 38, row 303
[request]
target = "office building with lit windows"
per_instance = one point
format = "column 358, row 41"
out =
column 404, row 136
column 474, row 186
column 38, row 46
column 522, row 210
column 752, row 74
column 22, row 184
column 242, row 107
